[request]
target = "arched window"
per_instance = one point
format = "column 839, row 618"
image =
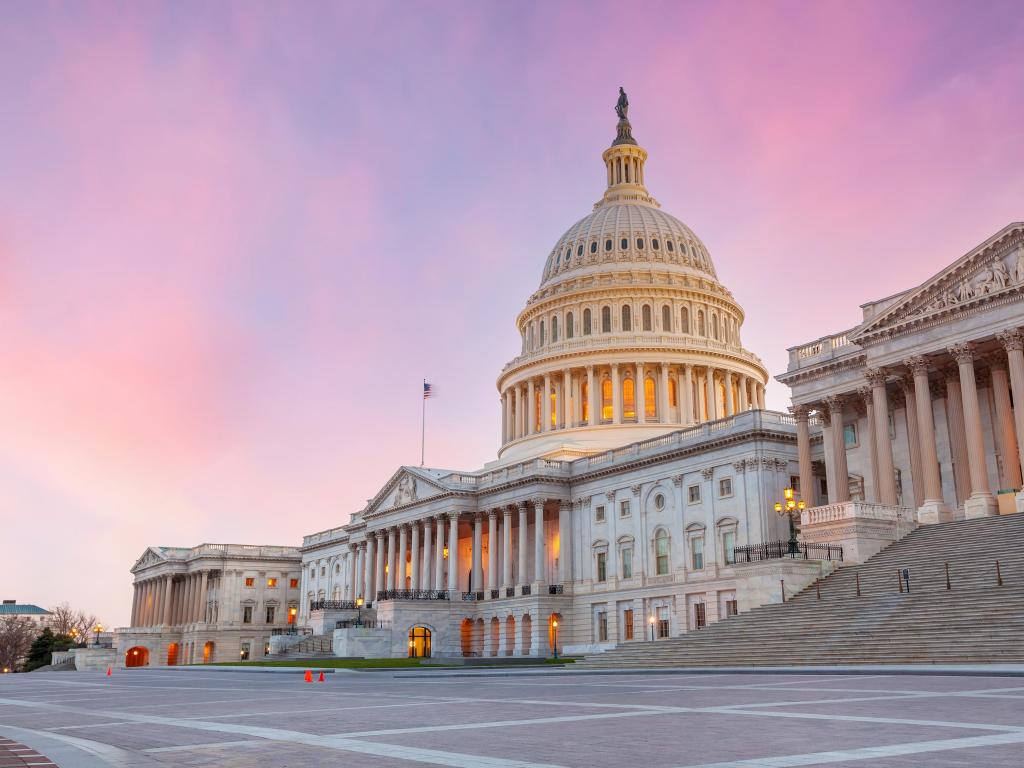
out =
column 650, row 400
column 608, row 244
column 569, row 330
column 593, row 246
column 537, row 412
column 701, row 330
column 670, row 246
column 627, row 318
column 542, row 333
column 606, row 319
column 714, row 326
column 586, row 321
column 661, row 552
column 655, row 244
column 666, row 319
column 554, row 408
column 585, row 401
column 531, row 337
column 640, row 243
column 624, row 244
column 579, row 250
column 673, row 394
column 554, row 329
column 606, row 400
column 684, row 320
column 628, row 399
column 419, row 643
column 646, row 315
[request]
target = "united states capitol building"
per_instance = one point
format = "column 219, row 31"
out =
column 639, row 470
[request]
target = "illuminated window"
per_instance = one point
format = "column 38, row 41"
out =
column 585, row 401
column 606, row 400
column 627, row 318
column 271, row 583
column 244, row 652
column 684, row 320
column 291, row 614
column 673, row 394
column 666, row 318
column 293, row 583
column 661, row 552
column 250, row 581
column 649, row 401
column 628, row 399
column 606, row 319
column 537, row 412
column 569, row 330
column 586, row 322
column 646, row 317
column 554, row 410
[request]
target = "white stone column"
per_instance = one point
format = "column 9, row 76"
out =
column 476, row 554
column 524, row 577
column 426, row 580
column 803, row 447
column 439, row 583
column 839, row 490
column 379, row 582
column 453, row 555
column 593, row 410
column 640, row 394
column 565, row 401
column 545, row 405
column 531, row 408
column 1013, row 341
column 506, row 549
column 201, row 598
column 565, row 542
column 742, row 387
column 981, row 502
column 392, row 571
column 1010, row 474
column 730, row 404
column 167, row 601
column 957, row 435
column 934, row 509
column 353, row 575
column 518, row 416
column 760, row 397
column 414, row 556
column 664, row 412
column 616, row 395
column 712, row 395
column 492, row 550
column 914, row 440
column 135, row 605
column 368, row 559
column 687, row 394
column 538, row 540
column 883, row 446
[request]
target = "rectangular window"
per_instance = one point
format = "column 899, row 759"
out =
column 624, row 508
column 725, row 487
column 850, row 435
column 270, row 614
column 602, row 626
column 699, row 617
column 661, row 554
column 627, row 563
column 244, row 653
column 602, row 566
column 627, row 624
column 729, row 546
column 599, row 514
column 794, row 482
column 662, row 622
column 697, row 552
column 693, row 494
column 293, row 583
column 323, row 568
column 731, row 608
column 272, row 583
column 250, row 581
column 247, row 614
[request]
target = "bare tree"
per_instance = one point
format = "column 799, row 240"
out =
column 63, row 619
column 16, row 636
column 85, row 624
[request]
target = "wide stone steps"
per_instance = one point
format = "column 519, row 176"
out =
column 976, row 620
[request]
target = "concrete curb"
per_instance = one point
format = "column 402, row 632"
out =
column 260, row 670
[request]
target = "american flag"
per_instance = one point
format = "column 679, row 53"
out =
column 428, row 390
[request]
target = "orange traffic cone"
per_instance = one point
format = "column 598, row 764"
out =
column 309, row 676
column 108, row 672
column 321, row 678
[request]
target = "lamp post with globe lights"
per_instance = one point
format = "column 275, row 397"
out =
column 790, row 507
column 554, row 626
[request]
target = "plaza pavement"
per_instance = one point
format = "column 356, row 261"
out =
column 388, row 719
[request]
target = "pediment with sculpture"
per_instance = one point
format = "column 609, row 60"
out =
column 993, row 270
column 406, row 486
column 148, row 559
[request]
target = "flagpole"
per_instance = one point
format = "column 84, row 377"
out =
column 423, row 424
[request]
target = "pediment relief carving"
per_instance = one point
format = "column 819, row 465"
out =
column 404, row 487
column 991, row 271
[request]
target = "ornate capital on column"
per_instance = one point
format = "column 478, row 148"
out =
column 739, row 467
column 454, row 515
column 962, row 353
column 707, row 473
column 875, row 376
column 635, row 489
column 539, row 501
column 677, row 481
column 917, row 364
column 1012, row 340
column 800, row 412
column 835, row 404
column 564, row 505
column 492, row 514
column 522, row 505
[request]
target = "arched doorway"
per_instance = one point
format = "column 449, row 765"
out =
column 172, row 654
column 495, row 636
column 208, row 648
column 526, row 641
column 510, row 635
column 419, row 643
column 466, row 637
column 137, row 656
column 478, row 638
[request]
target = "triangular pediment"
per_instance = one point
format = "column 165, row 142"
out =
column 993, row 270
column 148, row 558
column 407, row 486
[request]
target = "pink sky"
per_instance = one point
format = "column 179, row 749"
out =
column 235, row 237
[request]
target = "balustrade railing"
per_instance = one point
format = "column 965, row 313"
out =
column 292, row 631
column 412, row 594
column 510, row 591
column 362, row 624
column 472, row 596
column 332, row 605
column 526, row 589
column 776, row 550
column 555, row 589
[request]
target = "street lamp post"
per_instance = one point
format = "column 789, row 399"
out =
column 359, row 611
column 98, row 628
column 554, row 625
column 651, row 622
column 789, row 508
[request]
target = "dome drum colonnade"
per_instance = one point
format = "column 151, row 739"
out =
column 629, row 326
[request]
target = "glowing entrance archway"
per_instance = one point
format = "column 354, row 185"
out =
column 137, row 656
column 419, row 643
column 208, row 648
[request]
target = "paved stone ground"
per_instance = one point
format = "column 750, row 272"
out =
column 140, row 718
column 15, row 755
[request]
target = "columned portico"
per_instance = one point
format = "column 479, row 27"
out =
column 981, row 502
column 538, row 531
column 934, row 509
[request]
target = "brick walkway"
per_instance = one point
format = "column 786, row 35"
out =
column 15, row 755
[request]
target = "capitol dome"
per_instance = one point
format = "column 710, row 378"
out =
column 629, row 335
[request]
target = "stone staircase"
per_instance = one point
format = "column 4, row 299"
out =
column 973, row 621
column 309, row 647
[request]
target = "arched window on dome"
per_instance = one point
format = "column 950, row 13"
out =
column 593, row 246
column 585, row 401
column 579, row 250
column 624, row 244
column 714, row 327
column 670, row 246
column 586, row 321
column 673, row 393
column 542, row 333
column 569, row 329
column 627, row 318
column 608, row 244
column 606, row 319
column 684, row 320
column 650, row 398
column 645, row 314
column 640, row 243
column 655, row 244
column 538, row 412
column 701, row 330
column 666, row 319
column 628, row 400
column 554, row 329
column 531, row 337
column 606, row 400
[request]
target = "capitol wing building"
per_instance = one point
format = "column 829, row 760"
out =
column 634, row 493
